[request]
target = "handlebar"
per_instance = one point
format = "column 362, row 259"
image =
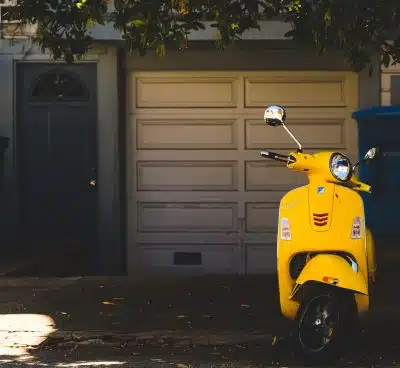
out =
column 276, row 156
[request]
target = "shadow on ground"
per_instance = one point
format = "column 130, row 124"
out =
column 208, row 320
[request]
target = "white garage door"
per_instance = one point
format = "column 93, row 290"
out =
column 201, row 199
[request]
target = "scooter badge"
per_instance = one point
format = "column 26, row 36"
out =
column 320, row 190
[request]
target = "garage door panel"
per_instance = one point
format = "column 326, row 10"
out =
column 295, row 90
column 310, row 114
column 176, row 133
column 186, row 217
column 183, row 91
column 262, row 217
column 192, row 155
column 317, row 134
column 187, row 196
column 202, row 259
column 187, row 175
column 180, row 239
column 261, row 258
column 191, row 113
column 271, row 176
column 265, row 196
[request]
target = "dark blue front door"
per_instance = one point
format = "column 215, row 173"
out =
column 56, row 143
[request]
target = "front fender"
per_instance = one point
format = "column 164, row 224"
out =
column 334, row 270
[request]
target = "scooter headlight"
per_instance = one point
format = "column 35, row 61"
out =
column 340, row 167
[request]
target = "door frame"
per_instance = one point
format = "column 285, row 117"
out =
column 109, row 254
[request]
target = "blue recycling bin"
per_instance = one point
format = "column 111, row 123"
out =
column 380, row 127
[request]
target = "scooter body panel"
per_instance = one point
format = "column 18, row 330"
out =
column 319, row 218
column 334, row 270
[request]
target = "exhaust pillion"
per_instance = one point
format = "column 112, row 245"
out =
column 325, row 254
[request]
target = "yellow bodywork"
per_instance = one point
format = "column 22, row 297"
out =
column 320, row 217
column 334, row 270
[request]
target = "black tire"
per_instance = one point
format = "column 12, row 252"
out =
column 326, row 320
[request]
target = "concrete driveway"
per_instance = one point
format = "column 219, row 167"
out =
column 217, row 320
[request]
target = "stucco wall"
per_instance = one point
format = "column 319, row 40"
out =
column 390, row 85
column 13, row 52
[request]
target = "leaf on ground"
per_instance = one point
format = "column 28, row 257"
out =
column 244, row 306
column 108, row 303
column 119, row 299
column 274, row 340
column 181, row 316
column 207, row 316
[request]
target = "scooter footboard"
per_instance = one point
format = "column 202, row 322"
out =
column 332, row 270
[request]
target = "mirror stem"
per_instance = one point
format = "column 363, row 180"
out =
column 300, row 149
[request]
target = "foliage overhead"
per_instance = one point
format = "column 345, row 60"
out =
column 360, row 28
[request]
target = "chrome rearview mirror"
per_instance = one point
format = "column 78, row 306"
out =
column 371, row 153
column 274, row 115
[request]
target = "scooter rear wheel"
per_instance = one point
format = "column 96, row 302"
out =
column 324, row 322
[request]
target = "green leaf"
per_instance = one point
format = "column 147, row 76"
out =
column 328, row 17
column 358, row 28
column 161, row 49
column 138, row 23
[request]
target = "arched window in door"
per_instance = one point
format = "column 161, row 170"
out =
column 59, row 85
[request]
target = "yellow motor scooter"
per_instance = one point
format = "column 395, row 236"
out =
column 325, row 253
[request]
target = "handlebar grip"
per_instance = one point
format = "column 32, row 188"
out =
column 274, row 156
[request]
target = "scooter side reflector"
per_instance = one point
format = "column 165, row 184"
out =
column 330, row 280
column 285, row 229
column 356, row 228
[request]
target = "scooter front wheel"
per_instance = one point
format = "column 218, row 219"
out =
column 322, row 322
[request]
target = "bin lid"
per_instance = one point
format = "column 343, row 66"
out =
column 381, row 111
